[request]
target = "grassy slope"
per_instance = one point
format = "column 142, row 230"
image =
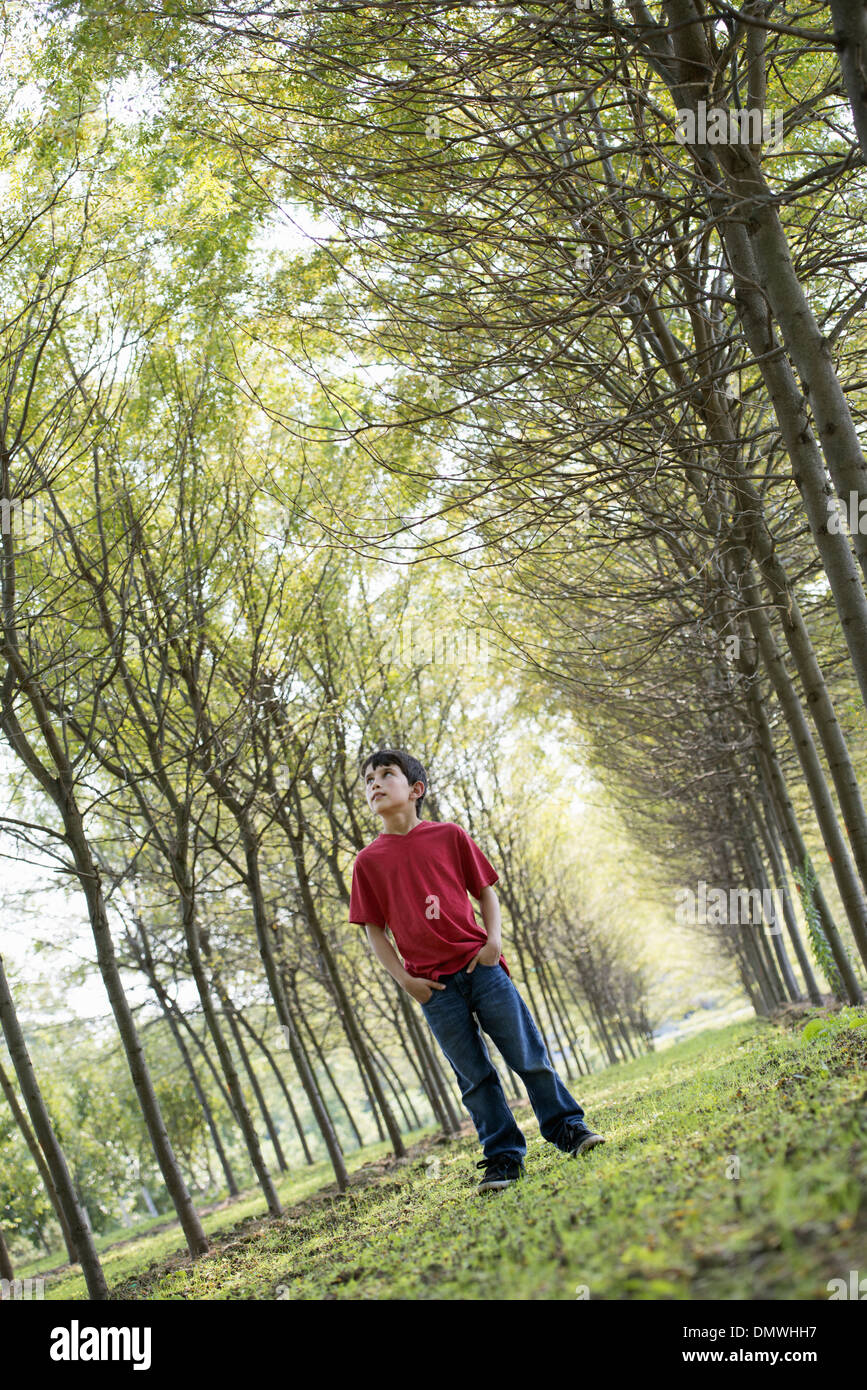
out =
column 650, row 1215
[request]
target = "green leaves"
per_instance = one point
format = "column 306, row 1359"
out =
column 816, row 1028
column 849, row 1018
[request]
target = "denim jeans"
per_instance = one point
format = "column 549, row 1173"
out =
column 489, row 993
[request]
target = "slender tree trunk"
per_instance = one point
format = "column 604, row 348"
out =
column 200, row 978
column 604, row 1035
column 565, row 1024
column 210, row 1119
column 541, row 977
column 420, row 1063
column 6, row 1270
column 219, row 1081
column 850, row 41
column 757, row 971
column 760, row 879
column 305, row 1023
column 308, row 1080
column 626, row 1038
column 587, row 1031
column 772, row 849
column 438, row 1092
column 281, row 1081
column 844, row 871
column 275, row 984
column 343, row 1005
column 794, row 844
column 88, row 872
column 230, row 1015
column 402, row 1097
column 770, row 263
column 61, row 791
column 800, row 862
column 808, row 467
column 747, row 976
column 744, row 939
column 144, row 955
column 39, row 1159
column 81, row 1237
column 253, row 883
column 776, row 988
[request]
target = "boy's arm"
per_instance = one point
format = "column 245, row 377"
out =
column 490, row 952
column 385, row 953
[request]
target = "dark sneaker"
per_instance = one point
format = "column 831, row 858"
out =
column 500, row 1172
column 584, row 1139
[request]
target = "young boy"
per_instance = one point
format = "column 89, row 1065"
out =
column 414, row 879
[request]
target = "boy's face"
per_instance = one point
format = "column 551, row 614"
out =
column 387, row 789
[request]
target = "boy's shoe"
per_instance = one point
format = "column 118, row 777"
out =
column 500, row 1172
column 583, row 1139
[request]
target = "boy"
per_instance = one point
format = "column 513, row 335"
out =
column 414, row 879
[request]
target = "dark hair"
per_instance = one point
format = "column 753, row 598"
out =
column 409, row 766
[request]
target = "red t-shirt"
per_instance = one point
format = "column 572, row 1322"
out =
column 416, row 885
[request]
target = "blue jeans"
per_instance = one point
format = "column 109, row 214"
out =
column 489, row 993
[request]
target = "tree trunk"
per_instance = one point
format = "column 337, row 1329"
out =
column 808, row 468
column 6, row 1270
column 229, row 1013
column 437, row 1088
column 61, row 790
column 239, row 1104
column 146, row 962
column 398, row 1089
column 305, row 1023
column 275, row 984
column 281, row 1081
column 760, row 879
column 793, row 841
column 772, row 849
column 343, row 1005
column 197, row 1241
column 39, row 1118
column 844, row 871
column 39, row 1159
column 771, row 265
column 850, row 41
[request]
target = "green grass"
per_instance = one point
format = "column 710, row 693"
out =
column 652, row 1214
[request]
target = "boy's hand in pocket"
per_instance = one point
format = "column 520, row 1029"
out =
column 421, row 989
column 488, row 955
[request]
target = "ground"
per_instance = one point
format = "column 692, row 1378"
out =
column 734, row 1168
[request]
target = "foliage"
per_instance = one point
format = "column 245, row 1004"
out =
column 806, row 881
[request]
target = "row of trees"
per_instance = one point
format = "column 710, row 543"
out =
column 191, row 669
column 635, row 357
